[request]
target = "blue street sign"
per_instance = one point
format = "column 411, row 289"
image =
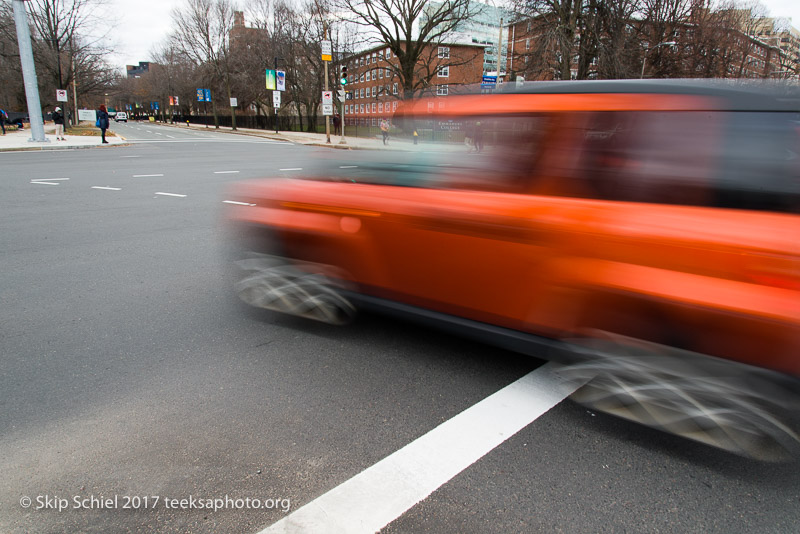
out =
column 490, row 79
column 155, row 105
column 201, row 95
column 208, row 94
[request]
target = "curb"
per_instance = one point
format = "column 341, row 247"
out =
column 61, row 147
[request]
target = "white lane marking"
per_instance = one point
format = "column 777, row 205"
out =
column 48, row 179
column 108, row 188
column 47, row 183
column 170, row 194
column 226, row 172
column 159, row 133
column 130, row 156
column 146, row 175
column 348, row 166
column 377, row 496
column 292, row 169
column 237, row 203
column 148, row 131
column 171, row 137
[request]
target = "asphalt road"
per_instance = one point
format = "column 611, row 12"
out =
column 129, row 370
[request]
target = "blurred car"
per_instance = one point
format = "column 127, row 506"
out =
column 645, row 234
column 121, row 116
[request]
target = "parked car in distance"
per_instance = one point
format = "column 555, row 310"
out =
column 643, row 233
column 121, row 116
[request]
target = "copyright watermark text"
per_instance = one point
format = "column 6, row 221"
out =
column 151, row 502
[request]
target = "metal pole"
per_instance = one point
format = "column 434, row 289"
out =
column 327, row 118
column 276, row 88
column 499, row 47
column 343, row 140
column 75, row 120
column 29, row 73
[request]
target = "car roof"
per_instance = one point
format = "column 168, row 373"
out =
column 615, row 95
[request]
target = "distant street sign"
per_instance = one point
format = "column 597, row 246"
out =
column 177, row 101
column 276, row 99
column 201, row 95
column 327, row 98
column 489, row 82
column 234, row 102
column 327, row 109
column 281, row 79
column 61, row 95
column 208, row 94
column 272, row 83
column 327, row 51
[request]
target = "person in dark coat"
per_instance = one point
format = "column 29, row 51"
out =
column 102, row 122
column 58, row 120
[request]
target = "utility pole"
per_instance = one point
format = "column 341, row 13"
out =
column 327, row 118
column 75, row 120
column 499, row 47
column 29, row 73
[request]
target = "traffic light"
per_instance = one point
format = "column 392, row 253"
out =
column 343, row 76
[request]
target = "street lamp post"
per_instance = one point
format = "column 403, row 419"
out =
column 29, row 73
column 644, row 60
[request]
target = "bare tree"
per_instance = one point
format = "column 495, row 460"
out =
column 410, row 29
column 202, row 31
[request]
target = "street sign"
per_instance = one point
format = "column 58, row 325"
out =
column 489, row 82
column 172, row 101
column 327, row 98
column 201, row 95
column 208, row 94
column 341, row 94
column 349, row 95
column 327, row 54
column 272, row 83
column 276, row 99
column 177, row 101
column 327, row 109
column 61, row 95
column 281, row 79
column 234, row 102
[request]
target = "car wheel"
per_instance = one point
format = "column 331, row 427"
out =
column 717, row 402
column 303, row 290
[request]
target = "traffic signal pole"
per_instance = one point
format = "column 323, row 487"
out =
column 29, row 73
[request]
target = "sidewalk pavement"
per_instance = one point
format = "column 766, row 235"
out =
column 314, row 139
column 20, row 140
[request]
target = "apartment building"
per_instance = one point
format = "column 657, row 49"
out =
column 374, row 87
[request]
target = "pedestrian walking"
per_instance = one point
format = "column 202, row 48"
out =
column 385, row 130
column 477, row 138
column 58, row 120
column 337, row 122
column 416, row 137
column 102, row 122
column 3, row 119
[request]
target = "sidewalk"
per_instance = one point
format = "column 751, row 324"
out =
column 314, row 139
column 19, row 140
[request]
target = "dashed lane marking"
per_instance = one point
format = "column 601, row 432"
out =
column 170, row 194
column 377, row 496
column 107, row 188
column 237, row 203
column 348, row 166
column 146, row 175
column 226, row 172
column 292, row 169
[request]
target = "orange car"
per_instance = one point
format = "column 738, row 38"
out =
column 624, row 221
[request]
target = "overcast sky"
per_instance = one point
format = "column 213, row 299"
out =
column 141, row 24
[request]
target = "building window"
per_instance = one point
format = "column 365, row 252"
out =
column 394, row 106
column 369, row 75
column 374, row 90
column 444, row 72
column 388, row 53
column 373, row 107
column 361, row 78
column 430, row 107
column 380, row 107
column 362, row 108
column 527, row 44
column 442, row 90
column 394, row 88
column 380, row 73
column 388, row 72
column 444, row 52
column 362, row 93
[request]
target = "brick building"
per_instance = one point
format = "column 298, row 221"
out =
column 376, row 88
